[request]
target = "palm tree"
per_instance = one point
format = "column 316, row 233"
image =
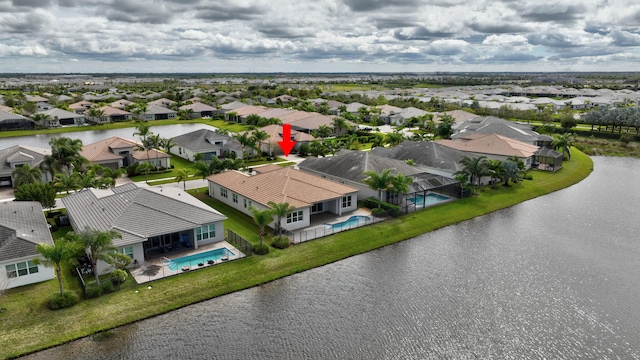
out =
column 245, row 140
column 262, row 218
column 340, row 123
column 26, row 174
column 322, row 132
column 183, row 175
column 65, row 182
column 99, row 246
column 495, row 169
column 65, row 155
column 378, row 181
column 55, row 254
column 281, row 210
column 400, row 184
column 475, row 168
column 394, row 138
column 95, row 113
column 166, row 144
column 564, row 142
column 258, row 137
column 40, row 117
column 511, row 171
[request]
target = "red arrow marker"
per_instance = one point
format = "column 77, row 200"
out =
column 286, row 144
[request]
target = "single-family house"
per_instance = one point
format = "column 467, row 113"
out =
column 430, row 156
column 121, row 104
column 157, row 112
column 11, row 121
column 152, row 220
column 240, row 114
column 206, row 142
column 43, row 106
column 198, row 110
column 162, row 102
column 58, row 117
column 109, row 114
column 116, row 152
column 22, row 227
column 401, row 118
column 270, row 145
column 20, row 155
column 307, row 193
column 493, row 146
column 493, row 125
column 81, row 107
column 36, row 98
column 231, row 106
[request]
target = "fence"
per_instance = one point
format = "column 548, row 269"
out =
column 330, row 229
column 239, row 242
column 83, row 286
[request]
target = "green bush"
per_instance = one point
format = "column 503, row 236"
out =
column 377, row 212
column 92, row 291
column 67, row 299
column 627, row 138
column 392, row 210
column 119, row 276
column 528, row 177
column 261, row 249
column 107, row 287
column 280, row 242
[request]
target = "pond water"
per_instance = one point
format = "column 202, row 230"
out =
column 91, row 136
column 555, row 277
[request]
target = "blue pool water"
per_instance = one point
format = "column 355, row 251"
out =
column 428, row 199
column 354, row 221
column 202, row 258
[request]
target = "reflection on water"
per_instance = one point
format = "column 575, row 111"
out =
column 554, row 277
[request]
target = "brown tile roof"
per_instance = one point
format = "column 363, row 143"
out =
column 491, row 144
column 275, row 134
column 101, row 150
column 295, row 187
column 111, row 111
column 295, row 116
column 250, row 110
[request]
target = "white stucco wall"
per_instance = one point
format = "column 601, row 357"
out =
column 43, row 274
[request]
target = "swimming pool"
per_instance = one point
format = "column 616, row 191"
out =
column 354, row 221
column 202, row 258
column 427, row 200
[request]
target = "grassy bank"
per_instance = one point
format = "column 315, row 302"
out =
column 28, row 326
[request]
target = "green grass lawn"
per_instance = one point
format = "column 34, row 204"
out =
column 176, row 161
column 28, row 326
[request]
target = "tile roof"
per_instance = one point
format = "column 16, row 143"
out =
column 494, row 125
column 22, row 153
column 203, row 140
column 22, row 227
column 295, row 187
column 103, row 150
column 427, row 153
column 111, row 111
column 11, row 116
column 491, row 144
column 197, row 107
column 138, row 212
column 60, row 114
column 275, row 134
column 351, row 165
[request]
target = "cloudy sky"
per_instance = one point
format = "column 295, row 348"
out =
column 318, row 35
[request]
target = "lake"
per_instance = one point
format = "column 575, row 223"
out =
column 555, row 277
column 91, row 136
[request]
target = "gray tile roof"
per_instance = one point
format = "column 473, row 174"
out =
column 5, row 116
column 426, row 153
column 351, row 165
column 138, row 212
column 203, row 140
column 18, row 153
column 22, row 227
column 494, row 125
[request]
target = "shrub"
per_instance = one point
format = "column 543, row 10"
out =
column 378, row 212
column 626, row 138
column 392, row 210
column 119, row 276
column 280, row 242
column 261, row 249
column 107, row 287
column 67, row 299
column 92, row 291
column 528, row 177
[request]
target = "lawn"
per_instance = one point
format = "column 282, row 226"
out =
column 177, row 162
column 28, row 326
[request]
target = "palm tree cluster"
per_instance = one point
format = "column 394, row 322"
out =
column 476, row 167
column 386, row 181
column 262, row 218
column 204, row 168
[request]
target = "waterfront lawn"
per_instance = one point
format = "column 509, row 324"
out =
column 28, row 326
column 176, row 161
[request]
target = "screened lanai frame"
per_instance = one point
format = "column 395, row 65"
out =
column 423, row 185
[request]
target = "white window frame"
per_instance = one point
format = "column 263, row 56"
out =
column 295, row 216
column 205, row 232
column 234, row 197
column 346, row 201
column 224, row 193
column 22, row 268
column 127, row 250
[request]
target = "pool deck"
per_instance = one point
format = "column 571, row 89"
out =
column 327, row 218
column 154, row 268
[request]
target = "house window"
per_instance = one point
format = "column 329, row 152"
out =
column 223, row 192
column 206, row 232
column 294, row 217
column 245, row 202
column 234, row 196
column 127, row 251
column 317, row 207
column 21, row 269
column 346, row 201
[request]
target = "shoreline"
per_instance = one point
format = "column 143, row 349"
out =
column 169, row 294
